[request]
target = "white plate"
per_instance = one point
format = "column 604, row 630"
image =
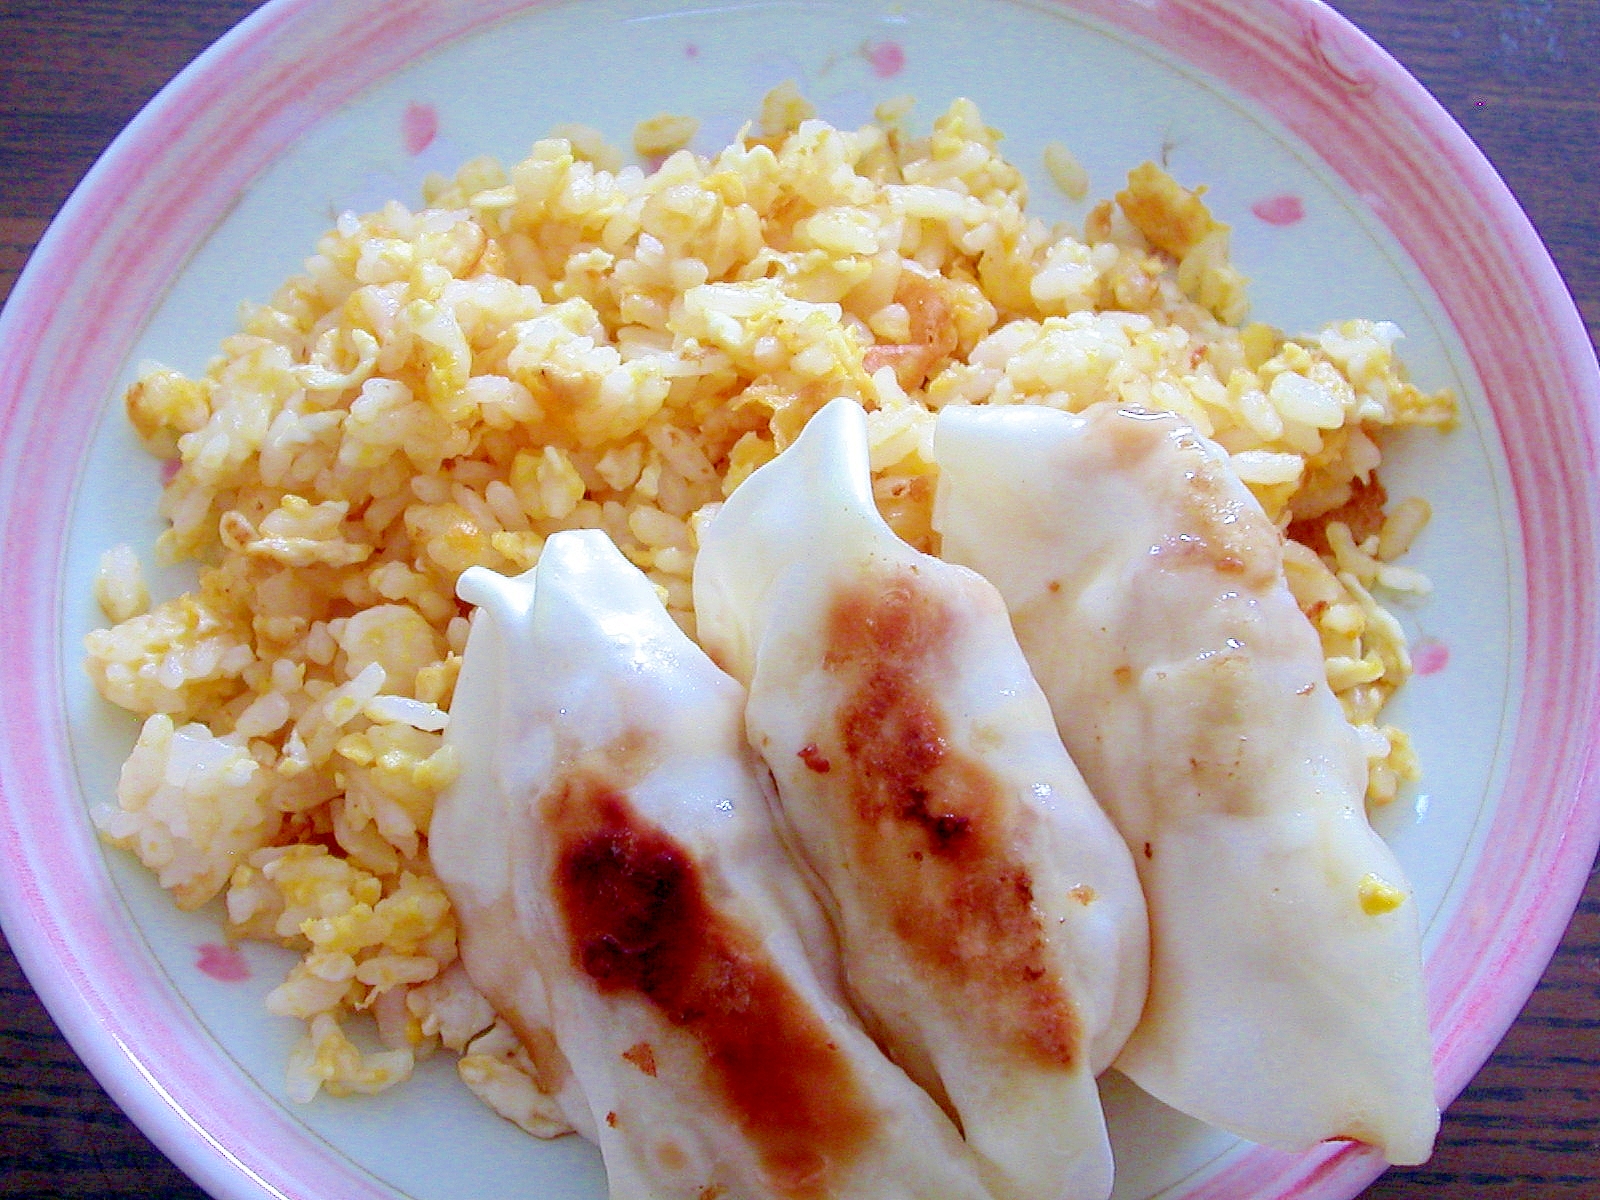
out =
column 1350, row 193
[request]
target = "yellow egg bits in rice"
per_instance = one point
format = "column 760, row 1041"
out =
column 569, row 342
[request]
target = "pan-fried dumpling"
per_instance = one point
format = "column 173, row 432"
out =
column 1146, row 587
column 622, row 893
column 990, row 919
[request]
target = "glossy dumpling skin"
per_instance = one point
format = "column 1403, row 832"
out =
column 1147, row 590
column 622, row 893
column 991, row 924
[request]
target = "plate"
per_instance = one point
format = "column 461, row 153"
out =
column 1332, row 165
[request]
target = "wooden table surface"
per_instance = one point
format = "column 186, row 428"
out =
column 1522, row 77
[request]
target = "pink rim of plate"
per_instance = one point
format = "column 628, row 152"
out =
column 171, row 176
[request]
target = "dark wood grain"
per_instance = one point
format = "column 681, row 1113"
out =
column 1522, row 77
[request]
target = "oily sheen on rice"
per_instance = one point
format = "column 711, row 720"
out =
column 571, row 343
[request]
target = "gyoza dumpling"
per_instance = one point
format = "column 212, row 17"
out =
column 992, row 928
column 610, row 852
column 1146, row 587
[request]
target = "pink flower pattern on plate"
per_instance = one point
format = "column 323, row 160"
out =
column 223, row 963
column 1285, row 209
column 887, row 59
column 419, row 125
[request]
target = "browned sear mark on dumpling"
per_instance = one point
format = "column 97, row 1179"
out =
column 812, row 757
column 933, row 826
column 1214, row 528
column 638, row 919
column 643, row 1056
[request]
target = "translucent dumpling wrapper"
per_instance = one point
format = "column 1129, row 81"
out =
column 625, row 903
column 1146, row 587
column 990, row 919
